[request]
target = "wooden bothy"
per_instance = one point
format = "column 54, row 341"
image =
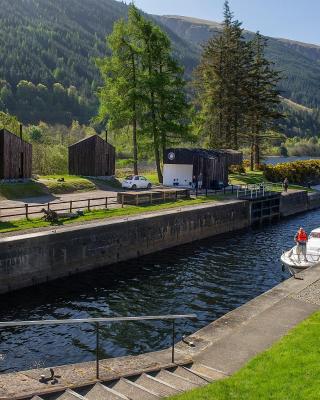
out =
column 181, row 166
column 92, row 156
column 234, row 157
column 15, row 156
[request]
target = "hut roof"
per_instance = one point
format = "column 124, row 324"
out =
column 87, row 139
column 187, row 155
column 4, row 131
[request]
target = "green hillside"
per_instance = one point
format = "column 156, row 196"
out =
column 48, row 48
column 300, row 62
column 47, row 70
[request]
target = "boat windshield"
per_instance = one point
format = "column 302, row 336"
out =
column 315, row 235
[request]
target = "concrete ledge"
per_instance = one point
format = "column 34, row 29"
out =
column 254, row 326
column 31, row 259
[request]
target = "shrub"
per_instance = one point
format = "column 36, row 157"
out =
column 237, row 169
column 298, row 172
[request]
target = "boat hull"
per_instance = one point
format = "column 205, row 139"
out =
column 298, row 262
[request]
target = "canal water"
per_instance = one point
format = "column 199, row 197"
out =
column 208, row 278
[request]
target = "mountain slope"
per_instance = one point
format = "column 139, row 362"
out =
column 300, row 62
column 47, row 49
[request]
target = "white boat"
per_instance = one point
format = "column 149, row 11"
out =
column 298, row 262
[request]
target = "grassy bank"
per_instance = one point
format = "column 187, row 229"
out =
column 23, row 224
column 21, row 190
column 69, row 185
column 51, row 184
column 288, row 371
column 256, row 177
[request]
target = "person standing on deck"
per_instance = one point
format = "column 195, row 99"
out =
column 301, row 239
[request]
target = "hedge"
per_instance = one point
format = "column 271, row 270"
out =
column 297, row 172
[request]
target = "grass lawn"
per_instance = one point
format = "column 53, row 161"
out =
column 10, row 226
column 70, row 184
column 254, row 177
column 21, row 190
column 290, row 370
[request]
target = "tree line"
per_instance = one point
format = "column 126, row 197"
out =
column 235, row 88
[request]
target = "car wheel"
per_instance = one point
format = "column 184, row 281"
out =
column 149, row 186
column 134, row 187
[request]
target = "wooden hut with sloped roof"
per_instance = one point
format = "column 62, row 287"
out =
column 92, row 156
column 181, row 165
column 15, row 156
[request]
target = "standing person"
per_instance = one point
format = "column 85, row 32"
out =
column 301, row 240
column 194, row 182
column 200, row 181
column 285, row 184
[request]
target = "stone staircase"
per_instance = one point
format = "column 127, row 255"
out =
column 153, row 385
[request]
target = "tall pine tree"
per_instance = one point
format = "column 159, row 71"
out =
column 263, row 99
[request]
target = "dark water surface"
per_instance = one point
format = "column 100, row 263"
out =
column 209, row 278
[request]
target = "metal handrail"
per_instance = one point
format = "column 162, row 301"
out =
column 98, row 321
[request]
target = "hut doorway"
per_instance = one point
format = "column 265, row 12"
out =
column 21, row 165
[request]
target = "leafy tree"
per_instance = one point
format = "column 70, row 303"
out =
column 143, row 86
column 121, row 92
column 164, row 105
column 9, row 122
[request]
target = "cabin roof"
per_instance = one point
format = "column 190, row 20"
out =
column 4, row 131
column 204, row 153
column 90, row 139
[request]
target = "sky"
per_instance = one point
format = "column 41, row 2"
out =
column 290, row 19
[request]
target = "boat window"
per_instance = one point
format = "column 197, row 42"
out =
column 315, row 235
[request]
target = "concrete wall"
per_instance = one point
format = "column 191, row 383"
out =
column 298, row 201
column 294, row 202
column 31, row 259
column 313, row 200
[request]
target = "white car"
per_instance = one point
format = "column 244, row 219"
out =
column 136, row 182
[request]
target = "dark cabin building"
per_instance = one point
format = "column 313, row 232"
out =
column 92, row 156
column 15, row 156
column 181, row 165
column 234, row 157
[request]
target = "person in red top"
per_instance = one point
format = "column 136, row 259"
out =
column 301, row 239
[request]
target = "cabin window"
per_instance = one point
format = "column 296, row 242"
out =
column 315, row 235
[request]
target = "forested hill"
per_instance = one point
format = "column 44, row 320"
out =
column 47, row 50
column 300, row 62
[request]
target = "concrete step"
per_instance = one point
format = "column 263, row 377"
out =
column 187, row 374
column 206, row 372
column 163, row 389
column 175, row 380
column 70, row 395
column 102, row 392
column 133, row 390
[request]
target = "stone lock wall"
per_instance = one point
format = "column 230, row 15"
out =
column 31, row 259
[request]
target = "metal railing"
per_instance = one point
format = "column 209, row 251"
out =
column 256, row 190
column 98, row 321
